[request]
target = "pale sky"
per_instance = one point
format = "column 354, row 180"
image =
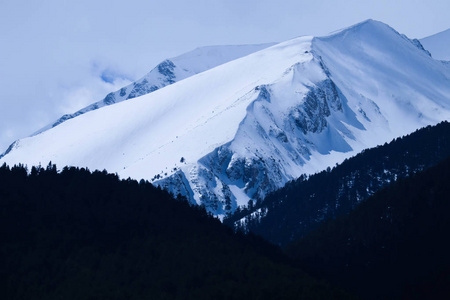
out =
column 53, row 53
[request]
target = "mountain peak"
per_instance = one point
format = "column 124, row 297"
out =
column 242, row 129
column 366, row 25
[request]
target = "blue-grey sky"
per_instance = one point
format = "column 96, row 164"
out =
column 57, row 56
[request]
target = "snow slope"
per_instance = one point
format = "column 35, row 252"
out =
column 169, row 72
column 246, row 127
column 438, row 44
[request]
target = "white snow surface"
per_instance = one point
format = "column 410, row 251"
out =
column 246, row 127
column 438, row 44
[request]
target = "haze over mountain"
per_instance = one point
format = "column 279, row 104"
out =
column 244, row 128
column 438, row 44
column 169, row 72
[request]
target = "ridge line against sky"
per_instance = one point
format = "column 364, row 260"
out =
column 59, row 56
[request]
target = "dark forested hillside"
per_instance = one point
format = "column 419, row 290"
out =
column 80, row 235
column 394, row 245
column 303, row 204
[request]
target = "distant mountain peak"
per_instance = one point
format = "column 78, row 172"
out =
column 363, row 25
column 168, row 72
column 438, row 44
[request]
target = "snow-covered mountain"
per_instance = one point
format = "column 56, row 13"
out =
column 246, row 127
column 168, row 72
column 438, row 44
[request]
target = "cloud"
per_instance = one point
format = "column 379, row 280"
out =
column 107, row 77
column 30, row 101
column 75, row 98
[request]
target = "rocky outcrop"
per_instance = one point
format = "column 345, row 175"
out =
column 281, row 144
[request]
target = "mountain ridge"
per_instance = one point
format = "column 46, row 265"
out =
column 391, row 246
